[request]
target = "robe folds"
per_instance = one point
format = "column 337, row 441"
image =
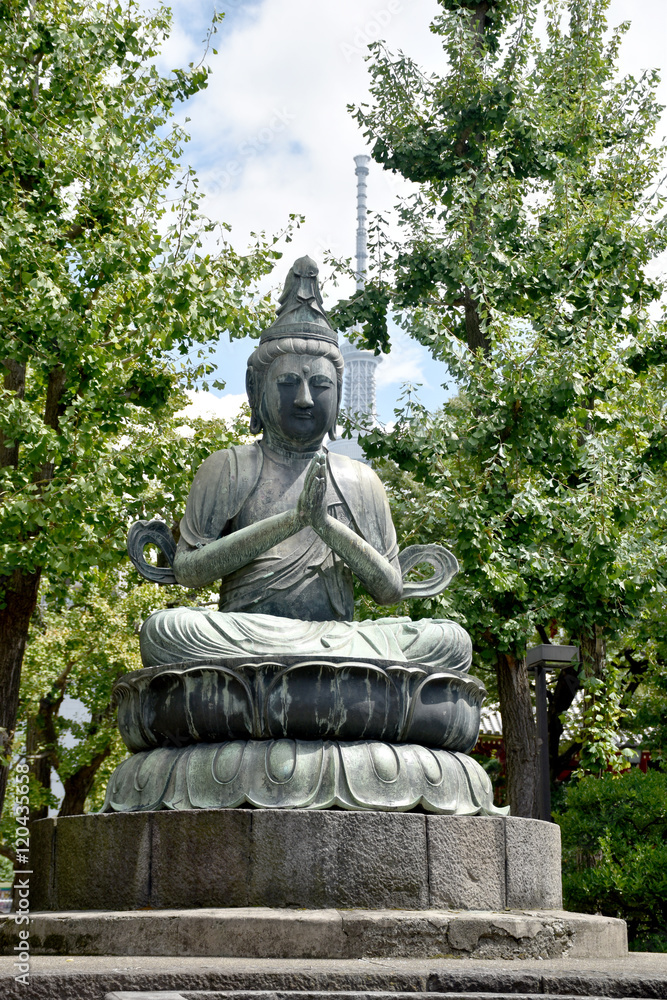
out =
column 304, row 563
column 288, row 576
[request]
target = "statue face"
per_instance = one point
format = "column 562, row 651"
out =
column 300, row 400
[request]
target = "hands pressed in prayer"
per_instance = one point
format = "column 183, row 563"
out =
column 382, row 580
column 204, row 566
column 312, row 505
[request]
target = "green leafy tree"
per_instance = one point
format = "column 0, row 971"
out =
column 74, row 655
column 639, row 657
column 614, row 833
column 83, row 639
column 545, row 556
column 107, row 272
column 522, row 264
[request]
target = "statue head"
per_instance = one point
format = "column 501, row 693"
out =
column 295, row 377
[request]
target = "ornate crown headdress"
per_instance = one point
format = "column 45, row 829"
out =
column 301, row 312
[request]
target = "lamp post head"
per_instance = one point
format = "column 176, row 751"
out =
column 551, row 657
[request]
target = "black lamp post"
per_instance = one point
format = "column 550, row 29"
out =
column 540, row 660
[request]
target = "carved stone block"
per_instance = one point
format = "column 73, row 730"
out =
column 339, row 859
column 204, row 850
column 467, row 863
column 533, row 862
column 97, row 862
column 316, row 859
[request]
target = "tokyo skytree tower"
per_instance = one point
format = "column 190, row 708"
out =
column 360, row 366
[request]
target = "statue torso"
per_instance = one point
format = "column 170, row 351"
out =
column 300, row 577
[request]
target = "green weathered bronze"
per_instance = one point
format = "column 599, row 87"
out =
column 302, row 774
column 284, row 526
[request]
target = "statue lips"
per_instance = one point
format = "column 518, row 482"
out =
column 307, row 426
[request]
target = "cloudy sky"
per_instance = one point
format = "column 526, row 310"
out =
column 271, row 135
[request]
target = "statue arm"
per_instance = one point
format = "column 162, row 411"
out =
column 201, row 567
column 210, row 563
column 382, row 580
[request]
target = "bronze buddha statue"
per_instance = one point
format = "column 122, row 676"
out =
column 284, row 525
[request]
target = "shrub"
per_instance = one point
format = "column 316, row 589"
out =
column 614, row 832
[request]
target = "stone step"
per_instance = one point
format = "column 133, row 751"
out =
column 339, row 995
column 263, row 932
column 636, row 976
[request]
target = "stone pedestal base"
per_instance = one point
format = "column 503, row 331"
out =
column 294, row 858
column 263, row 933
column 92, row 978
column 290, row 884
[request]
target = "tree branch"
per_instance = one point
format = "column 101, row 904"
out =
column 54, row 392
column 542, row 632
column 14, row 381
column 8, row 852
column 52, row 412
column 78, row 785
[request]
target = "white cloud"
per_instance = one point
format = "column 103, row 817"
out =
column 179, row 49
column 208, row 406
column 271, row 134
column 404, row 364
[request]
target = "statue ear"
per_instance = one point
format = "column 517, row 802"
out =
column 256, row 425
column 332, row 429
column 251, row 390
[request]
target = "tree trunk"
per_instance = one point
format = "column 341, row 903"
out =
column 19, row 599
column 593, row 652
column 78, row 785
column 14, row 381
column 18, row 592
column 42, row 739
column 39, row 761
column 474, row 336
column 519, row 734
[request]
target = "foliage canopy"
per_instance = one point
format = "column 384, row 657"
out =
column 108, row 273
column 522, row 261
column 614, row 833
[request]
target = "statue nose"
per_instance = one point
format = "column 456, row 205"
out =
column 303, row 397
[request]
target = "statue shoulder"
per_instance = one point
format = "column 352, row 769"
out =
column 362, row 490
column 220, row 488
column 350, row 473
column 240, row 458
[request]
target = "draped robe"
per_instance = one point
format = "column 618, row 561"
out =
column 262, row 604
